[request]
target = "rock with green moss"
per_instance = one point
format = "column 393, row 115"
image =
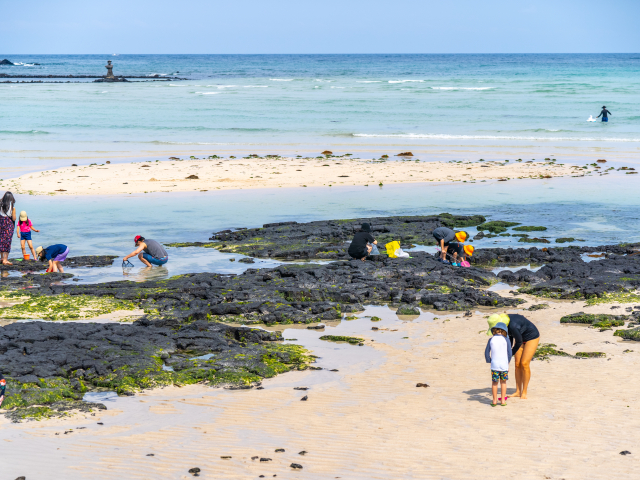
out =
column 52, row 410
column 48, row 363
column 546, row 350
column 591, row 354
column 496, row 226
column 533, row 240
column 408, row 310
column 630, row 334
column 600, row 320
column 341, row 338
column 328, row 239
column 527, row 228
column 540, row 306
column 565, row 239
column 60, row 307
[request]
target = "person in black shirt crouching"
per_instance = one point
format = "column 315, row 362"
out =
column 360, row 247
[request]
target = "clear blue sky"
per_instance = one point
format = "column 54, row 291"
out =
column 322, row 26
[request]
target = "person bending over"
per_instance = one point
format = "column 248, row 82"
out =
column 604, row 114
column 362, row 242
column 149, row 252
column 56, row 254
column 459, row 253
column 525, row 338
column 444, row 236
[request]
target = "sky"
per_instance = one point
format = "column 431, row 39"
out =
column 327, row 26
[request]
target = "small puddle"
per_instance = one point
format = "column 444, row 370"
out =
column 500, row 286
column 208, row 356
column 497, row 270
column 100, row 397
column 590, row 257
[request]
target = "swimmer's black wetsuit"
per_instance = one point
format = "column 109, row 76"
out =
column 521, row 330
column 604, row 113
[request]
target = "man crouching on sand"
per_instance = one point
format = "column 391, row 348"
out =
column 149, row 252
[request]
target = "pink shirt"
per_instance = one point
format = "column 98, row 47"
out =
column 25, row 227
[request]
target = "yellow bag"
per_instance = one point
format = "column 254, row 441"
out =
column 391, row 248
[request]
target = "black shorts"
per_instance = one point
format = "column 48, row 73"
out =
column 359, row 255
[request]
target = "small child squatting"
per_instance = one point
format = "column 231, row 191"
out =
column 498, row 353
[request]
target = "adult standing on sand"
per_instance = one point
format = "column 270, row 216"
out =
column 526, row 337
column 149, row 252
column 7, row 225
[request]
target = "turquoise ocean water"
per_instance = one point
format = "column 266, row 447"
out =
column 438, row 106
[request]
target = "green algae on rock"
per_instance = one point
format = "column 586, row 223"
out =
column 48, row 363
column 54, row 410
column 526, row 228
column 533, row 240
column 496, row 226
column 601, row 320
column 591, row 354
column 328, row 239
column 614, row 297
column 630, row 334
column 540, row 306
column 340, row 338
column 546, row 350
column 61, row 307
column 408, row 310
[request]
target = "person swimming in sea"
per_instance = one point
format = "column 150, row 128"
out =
column 604, row 114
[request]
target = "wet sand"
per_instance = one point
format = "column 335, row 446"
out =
column 218, row 174
column 369, row 420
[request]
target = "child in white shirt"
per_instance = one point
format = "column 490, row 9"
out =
column 498, row 354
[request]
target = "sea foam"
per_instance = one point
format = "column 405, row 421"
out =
column 442, row 136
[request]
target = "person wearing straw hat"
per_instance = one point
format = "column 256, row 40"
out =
column 444, row 236
column 24, row 229
column 148, row 252
column 56, row 254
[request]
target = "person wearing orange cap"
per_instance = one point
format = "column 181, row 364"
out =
column 444, row 236
column 459, row 253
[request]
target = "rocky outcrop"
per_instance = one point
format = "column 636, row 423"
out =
column 82, row 261
column 329, row 239
column 48, row 363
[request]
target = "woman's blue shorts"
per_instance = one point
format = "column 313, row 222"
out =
column 25, row 235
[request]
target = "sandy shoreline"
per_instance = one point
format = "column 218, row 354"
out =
column 219, row 174
column 369, row 420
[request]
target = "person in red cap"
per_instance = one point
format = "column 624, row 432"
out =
column 149, row 252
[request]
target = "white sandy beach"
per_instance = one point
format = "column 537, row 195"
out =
column 369, row 421
column 218, row 174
